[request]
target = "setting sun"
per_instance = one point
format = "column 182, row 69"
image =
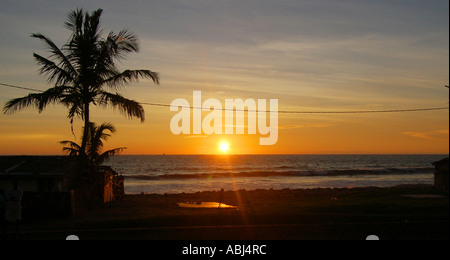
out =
column 224, row 147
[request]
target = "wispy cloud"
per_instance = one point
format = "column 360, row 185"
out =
column 437, row 135
column 195, row 136
column 30, row 137
column 444, row 131
column 303, row 126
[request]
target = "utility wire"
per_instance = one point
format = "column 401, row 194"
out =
column 280, row 112
column 318, row 112
column 17, row 87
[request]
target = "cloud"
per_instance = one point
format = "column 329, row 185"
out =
column 443, row 131
column 303, row 126
column 31, row 137
column 419, row 135
column 195, row 136
column 437, row 135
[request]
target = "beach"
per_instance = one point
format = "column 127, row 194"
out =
column 404, row 212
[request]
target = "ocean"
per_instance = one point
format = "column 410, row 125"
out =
column 162, row 174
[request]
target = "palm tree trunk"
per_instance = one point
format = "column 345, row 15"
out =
column 86, row 129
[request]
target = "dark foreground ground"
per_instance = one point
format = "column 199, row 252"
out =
column 399, row 213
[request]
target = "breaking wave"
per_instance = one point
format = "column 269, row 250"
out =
column 278, row 173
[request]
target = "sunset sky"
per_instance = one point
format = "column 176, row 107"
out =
column 311, row 55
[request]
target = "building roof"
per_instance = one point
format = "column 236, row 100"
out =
column 442, row 166
column 35, row 165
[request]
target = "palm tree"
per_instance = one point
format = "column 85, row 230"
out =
column 84, row 72
column 95, row 139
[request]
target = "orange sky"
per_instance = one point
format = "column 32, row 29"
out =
column 421, row 132
column 347, row 56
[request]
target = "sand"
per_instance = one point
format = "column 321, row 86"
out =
column 319, row 214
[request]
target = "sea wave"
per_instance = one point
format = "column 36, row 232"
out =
column 278, row 173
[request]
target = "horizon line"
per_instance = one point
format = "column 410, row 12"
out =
column 218, row 154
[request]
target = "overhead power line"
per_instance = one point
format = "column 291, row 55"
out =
column 319, row 112
column 280, row 112
column 18, row 87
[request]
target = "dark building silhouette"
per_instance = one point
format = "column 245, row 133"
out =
column 51, row 185
column 441, row 174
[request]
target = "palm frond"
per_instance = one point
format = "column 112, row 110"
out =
column 92, row 24
column 54, row 73
column 75, row 21
column 108, row 154
column 53, row 96
column 39, row 101
column 18, row 104
column 115, row 47
column 70, row 144
column 76, row 110
column 130, row 76
column 101, row 131
column 82, row 48
column 58, row 54
column 71, row 151
column 98, row 134
column 124, row 41
column 105, row 64
column 72, row 148
column 128, row 107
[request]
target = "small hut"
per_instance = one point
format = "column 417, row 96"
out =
column 52, row 184
column 441, row 174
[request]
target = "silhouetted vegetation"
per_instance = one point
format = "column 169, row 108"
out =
column 84, row 71
column 96, row 136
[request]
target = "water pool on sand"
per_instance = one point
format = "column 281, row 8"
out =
column 206, row 205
